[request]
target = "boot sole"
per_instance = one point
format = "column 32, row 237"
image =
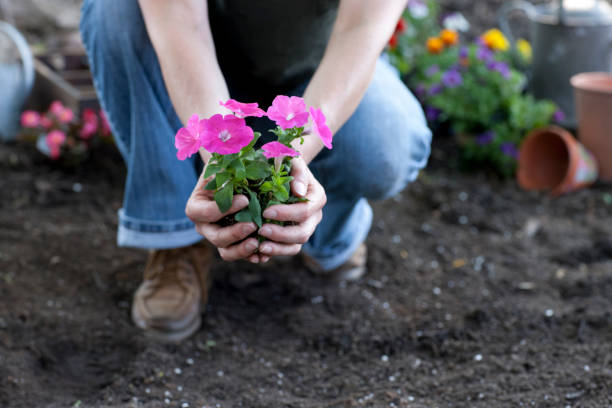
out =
column 175, row 335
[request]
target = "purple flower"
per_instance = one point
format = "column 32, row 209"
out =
column 484, row 54
column 464, row 52
column 509, row 149
column 432, row 113
column 433, row 70
column 420, row 90
column 485, row 138
column 435, row 89
column 500, row 67
column 559, row 116
column 452, row 78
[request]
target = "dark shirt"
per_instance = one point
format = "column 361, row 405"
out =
column 275, row 43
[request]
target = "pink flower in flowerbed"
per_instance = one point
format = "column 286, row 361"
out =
column 66, row 116
column 276, row 149
column 225, row 134
column 288, row 112
column 55, row 139
column 242, row 110
column 56, row 108
column 188, row 139
column 45, row 122
column 320, row 127
column 30, row 119
column 90, row 124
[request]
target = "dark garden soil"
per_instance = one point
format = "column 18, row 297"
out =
column 478, row 295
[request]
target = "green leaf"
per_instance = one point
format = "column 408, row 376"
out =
column 281, row 194
column 265, row 187
column 212, row 169
column 212, row 185
column 249, row 147
column 222, row 178
column 223, row 197
column 238, row 167
column 244, row 216
column 255, row 208
column 257, row 170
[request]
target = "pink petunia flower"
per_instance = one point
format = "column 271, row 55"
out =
column 66, row 115
column 277, row 149
column 320, row 128
column 30, row 119
column 56, row 108
column 105, row 126
column 55, row 139
column 242, row 110
column 188, row 139
column 288, row 112
column 225, row 134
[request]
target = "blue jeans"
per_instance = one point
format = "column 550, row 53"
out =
column 376, row 153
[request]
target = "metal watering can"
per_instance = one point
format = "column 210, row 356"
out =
column 567, row 38
column 16, row 81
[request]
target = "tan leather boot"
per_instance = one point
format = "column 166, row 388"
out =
column 351, row 270
column 169, row 302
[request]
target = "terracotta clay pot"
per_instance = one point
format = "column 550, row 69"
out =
column 551, row 158
column 593, row 97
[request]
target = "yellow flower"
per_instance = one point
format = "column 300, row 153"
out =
column 495, row 40
column 450, row 37
column 524, row 49
column 435, row 45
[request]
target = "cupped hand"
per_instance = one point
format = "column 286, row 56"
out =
column 288, row 240
column 230, row 241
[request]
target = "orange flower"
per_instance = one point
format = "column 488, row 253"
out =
column 449, row 37
column 435, row 45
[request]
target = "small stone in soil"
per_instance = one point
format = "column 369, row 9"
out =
column 384, row 358
column 190, row 361
column 478, row 357
column 177, row 371
column 549, row 313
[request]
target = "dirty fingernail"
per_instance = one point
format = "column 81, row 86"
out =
column 251, row 246
column 247, row 229
column 265, row 231
column 265, row 248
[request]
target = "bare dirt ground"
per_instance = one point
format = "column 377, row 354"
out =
column 479, row 295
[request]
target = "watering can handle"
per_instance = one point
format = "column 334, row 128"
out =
column 504, row 22
column 24, row 52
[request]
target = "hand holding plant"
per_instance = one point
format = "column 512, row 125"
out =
column 243, row 188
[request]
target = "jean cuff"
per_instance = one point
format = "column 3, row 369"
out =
column 148, row 234
column 356, row 231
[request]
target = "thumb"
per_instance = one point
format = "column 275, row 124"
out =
column 300, row 172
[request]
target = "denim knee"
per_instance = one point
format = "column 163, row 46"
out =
column 395, row 167
column 114, row 25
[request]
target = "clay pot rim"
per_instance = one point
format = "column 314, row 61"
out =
column 591, row 82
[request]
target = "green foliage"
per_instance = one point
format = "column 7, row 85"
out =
column 487, row 107
column 250, row 173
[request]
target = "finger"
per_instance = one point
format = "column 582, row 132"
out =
column 299, row 234
column 254, row 259
column 263, row 258
column 301, row 175
column 242, row 250
column 299, row 212
column 222, row 237
column 270, row 248
column 205, row 210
